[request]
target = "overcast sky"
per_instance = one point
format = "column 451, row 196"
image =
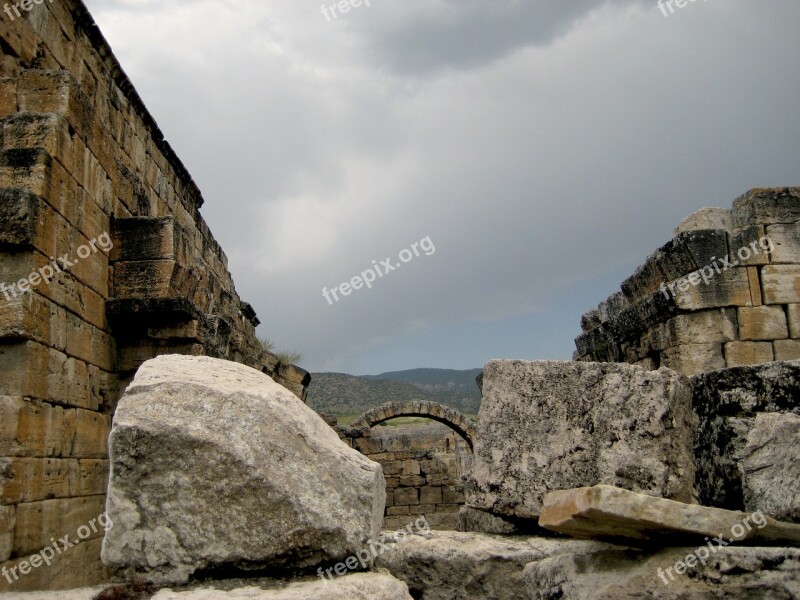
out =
column 546, row 147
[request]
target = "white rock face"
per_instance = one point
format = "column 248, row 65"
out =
column 214, row 464
column 770, row 464
column 552, row 425
column 357, row 586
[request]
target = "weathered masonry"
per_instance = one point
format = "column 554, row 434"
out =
column 422, row 464
column 724, row 292
column 87, row 178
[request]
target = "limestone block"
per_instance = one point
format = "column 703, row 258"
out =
column 37, row 522
column 692, row 359
column 346, row 587
column 704, row 327
column 548, row 425
column 144, row 279
column 35, row 429
column 786, row 242
column 727, row 402
column 35, row 479
column 762, row 323
column 609, row 513
column 741, row 354
column 770, row 463
column 707, row 218
column 793, row 312
column 8, row 520
column 669, row 574
column 781, row 284
column 766, row 206
column 750, row 241
column 786, row 349
column 406, row 496
column 728, row 288
column 205, row 449
column 430, row 495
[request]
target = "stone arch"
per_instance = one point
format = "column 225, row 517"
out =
column 451, row 417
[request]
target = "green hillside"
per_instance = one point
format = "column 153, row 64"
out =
column 341, row 394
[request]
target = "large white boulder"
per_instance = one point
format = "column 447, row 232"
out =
column 213, row 464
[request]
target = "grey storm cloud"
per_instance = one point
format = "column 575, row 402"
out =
column 546, row 147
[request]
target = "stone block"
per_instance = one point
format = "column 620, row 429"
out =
column 727, row 402
column 692, row 359
column 37, row 522
column 742, row 354
column 430, row 495
column 786, row 243
column 770, row 463
column 91, row 434
column 406, row 496
column 707, row 218
column 393, row 511
column 411, row 467
column 786, row 349
column 767, row 206
column 781, row 284
column 608, row 513
column 35, row 479
column 233, row 442
column 762, row 323
column 704, row 327
column 411, row 480
column 750, row 247
column 31, row 428
column 548, row 425
column 728, row 288
column 793, row 313
column 8, row 520
column 452, row 496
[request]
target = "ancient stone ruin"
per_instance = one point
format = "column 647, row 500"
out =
column 151, row 447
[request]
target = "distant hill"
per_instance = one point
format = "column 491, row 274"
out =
column 341, row 394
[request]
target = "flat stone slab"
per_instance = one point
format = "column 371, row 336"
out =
column 605, row 512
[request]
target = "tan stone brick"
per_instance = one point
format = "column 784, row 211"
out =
column 705, row 327
column 762, row 323
column 793, row 313
column 397, row 510
column 8, row 520
column 781, row 284
column 34, row 479
column 391, row 523
column 452, row 496
column 37, row 522
column 406, row 496
column 8, row 96
column 92, row 477
column 24, row 369
column 91, row 438
column 430, row 495
column 787, row 349
column 693, row 359
column 729, row 288
column 411, row 467
column 740, row 354
column 31, row 428
column 786, row 243
column 411, row 480
column 756, row 295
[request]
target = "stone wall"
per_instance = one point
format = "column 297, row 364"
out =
column 423, row 464
column 724, row 292
column 105, row 262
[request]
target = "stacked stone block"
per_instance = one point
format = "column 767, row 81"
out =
column 422, row 465
column 82, row 159
column 724, row 292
